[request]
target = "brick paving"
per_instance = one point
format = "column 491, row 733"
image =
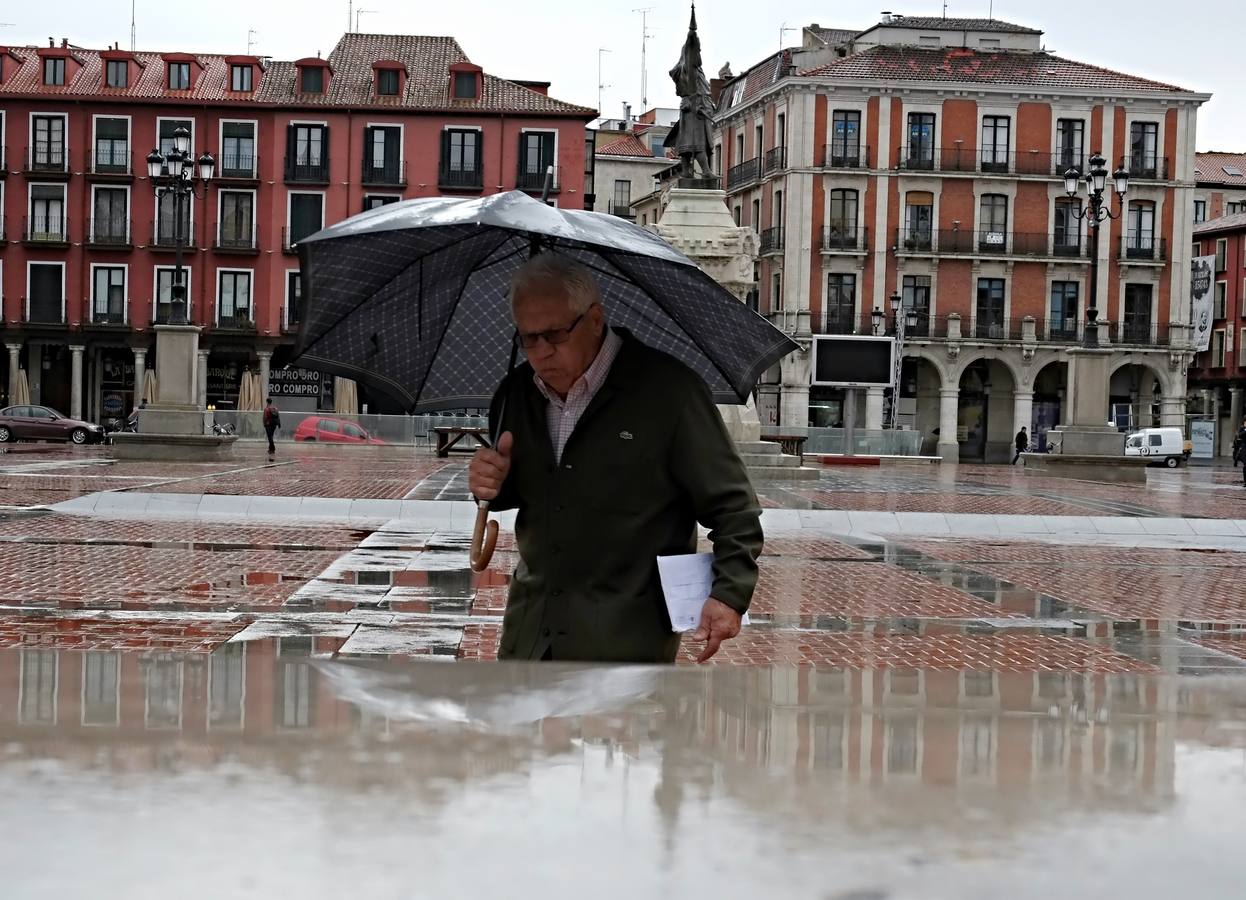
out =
column 1066, row 555
column 136, row 635
column 947, row 503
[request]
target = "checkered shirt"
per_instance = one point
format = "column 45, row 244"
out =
column 563, row 415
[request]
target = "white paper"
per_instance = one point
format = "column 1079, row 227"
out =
column 686, row 583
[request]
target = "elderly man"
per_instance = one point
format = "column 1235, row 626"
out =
column 612, row 453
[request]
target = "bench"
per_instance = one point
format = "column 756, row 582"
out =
column 791, row 444
column 448, row 436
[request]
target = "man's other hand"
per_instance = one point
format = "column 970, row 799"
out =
column 719, row 622
column 489, row 468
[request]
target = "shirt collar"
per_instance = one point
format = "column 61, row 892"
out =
column 595, row 376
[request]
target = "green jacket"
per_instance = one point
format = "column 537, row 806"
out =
column 649, row 459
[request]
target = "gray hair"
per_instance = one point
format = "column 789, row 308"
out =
column 577, row 282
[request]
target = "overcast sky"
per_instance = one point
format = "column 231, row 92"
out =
column 1195, row 45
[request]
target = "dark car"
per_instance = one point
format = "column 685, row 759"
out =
column 41, row 423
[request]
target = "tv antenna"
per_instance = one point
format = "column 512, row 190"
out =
column 601, row 85
column 133, row 29
column 783, row 29
column 362, row 12
column 251, row 35
column 644, row 46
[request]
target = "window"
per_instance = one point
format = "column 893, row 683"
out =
column 47, row 213
column 1140, row 230
column 307, row 155
column 168, row 229
column 921, row 141
column 1233, row 208
column 47, row 293
column 1064, row 312
column 1220, row 300
column 237, row 150
column 54, row 71
column 841, row 230
column 918, row 220
column 117, row 73
column 759, row 135
column 756, row 223
column 306, row 215
column 100, row 679
column 536, row 154
column 179, row 76
column 776, row 290
column 780, row 127
column 37, row 702
column 930, row 41
column 915, row 295
column 295, row 700
column 237, row 220
column 381, row 155
column 387, row 82
column 294, row 298
column 776, row 210
column 990, row 308
column 1069, row 145
column 841, row 303
column 465, row 85
column 988, row 43
column 845, row 138
column 49, row 145
column 735, row 214
column 234, row 298
column 226, row 686
column 110, row 222
column 621, row 204
column 1241, row 348
column 112, row 145
column 993, row 223
column 163, row 677
column 372, row 201
column 977, row 748
column 903, row 746
column 739, row 148
column 460, row 158
column 1137, row 313
column 164, row 292
column 1200, row 211
column 1143, row 147
column 1067, row 239
column 167, row 127
column 1217, row 350
column 311, row 80
column 108, row 295
column 995, row 134
column 240, row 78
column 1222, row 253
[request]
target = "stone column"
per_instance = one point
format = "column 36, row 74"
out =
column 1218, row 441
column 75, row 381
column 201, row 379
column 266, row 358
column 874, row 409
column 1023, row 412
column 1172, row 412
column 140, row 374
column 14, row 367
column 1235, row 409
column 949, row 423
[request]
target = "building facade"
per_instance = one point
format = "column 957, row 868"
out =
column 626, row 165
column 87, row 264
column 1220, row 185
column 925, row 158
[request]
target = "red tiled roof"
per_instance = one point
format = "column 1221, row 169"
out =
column 833, row 36
column 1235, row 222
column 211, row 78
column 757, row 79
column 939, row 23
column 963, row 65
column 1209, row 168
column 628, row 145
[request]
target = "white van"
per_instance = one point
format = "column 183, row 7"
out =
column 1166, row 445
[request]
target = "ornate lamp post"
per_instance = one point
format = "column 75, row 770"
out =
column 1095, row 212
column 902, row 325
column 174, row 173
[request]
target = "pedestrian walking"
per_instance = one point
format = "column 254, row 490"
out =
column 272, row 421
column 1239, row 450
column 1023, row 443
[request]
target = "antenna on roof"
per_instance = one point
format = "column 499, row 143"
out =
column 251, row 33
column 644, row 45
column 601, row 85
column 350, row 13
column 133, row 31
column 783, row 29
column 362, row 12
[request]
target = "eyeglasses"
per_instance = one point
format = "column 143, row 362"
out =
column 551, row 337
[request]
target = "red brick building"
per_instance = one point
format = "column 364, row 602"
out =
column 1220, row 188
column 87, row 261
column 1218, row 375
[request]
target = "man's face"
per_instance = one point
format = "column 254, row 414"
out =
column 544, row 307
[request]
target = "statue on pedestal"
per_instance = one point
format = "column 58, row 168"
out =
column 693, row 136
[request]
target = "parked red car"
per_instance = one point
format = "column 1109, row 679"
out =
column 41, row 423
column 333, row 431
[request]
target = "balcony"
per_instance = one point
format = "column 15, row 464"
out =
column 43, row 311
column 108, row 317
column 231, row 239
column 1139, row 334
column 303, row 170
column 845, row 156
column 991, row 328
column 534, row 181
column 623, row 212
column 238, row 167
column 772, row 240
column 989, row 161
column 111, row 233
column 46, row 231
column 1146, row 166
column 389, row 174
column 835, row 321
column 164, row 239
column 460, row 179
column 1143, row 248
column 47, row 159
column 744, row 174
column 290, row 320
column 239, row 322
column 991, row 244
column 1063, row 331
column 845, row 239
column 775, row 160
column 111, row 162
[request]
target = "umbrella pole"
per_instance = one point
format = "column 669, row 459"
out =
column 485, row 534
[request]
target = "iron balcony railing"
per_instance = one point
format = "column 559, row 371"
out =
column 461, row 178
column 745, row 173
column 772, row 240
column 291, row 320
column 290, row 237
column 775, row 160
column 239, row 166
column 846, row 237
column 163, row 237
column 623, row 211
column 994, row 328
column 43, row 310
column 527, row 180
column 164, row 311
column 108, row 232
column 989, row 161
column 305, row 170
column 1144, row 247
column 239, row 321
column 1146, row 166
column 1139, row 334
column 1066, row 330
column 234, row 237
column 112, row 314
column 47, row 157
column 111, row 160
column 389, row 173
column 845, row 156
column 45, row 230
column 953, row 242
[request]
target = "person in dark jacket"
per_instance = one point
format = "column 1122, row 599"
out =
column 1022, row 443
column 612, row 453
column 272, row 421
column 1239, row 450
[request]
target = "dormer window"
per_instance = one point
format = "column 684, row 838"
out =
column 240, row 78
column 54, row 71
column 387, row 82
column 179, row 76
column 117, row 73
column 312, row 80
column 464, row 85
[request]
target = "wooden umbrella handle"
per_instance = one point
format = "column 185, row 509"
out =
column 484, row 538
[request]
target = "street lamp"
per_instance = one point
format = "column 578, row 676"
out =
column 878, row 318
column 173, row 173
column 903, row 323
column 1096, row 211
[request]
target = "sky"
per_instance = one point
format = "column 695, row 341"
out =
column 1195, row 45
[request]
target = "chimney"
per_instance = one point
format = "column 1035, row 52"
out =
column 64, row 43
column 886, row 16
column 627, row 116
column 51, row 41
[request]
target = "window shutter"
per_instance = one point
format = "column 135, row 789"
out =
column 291, row 151
column 445, row 150
column 324, row 148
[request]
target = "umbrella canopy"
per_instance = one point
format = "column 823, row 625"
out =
column 249, row 392
column 345, row 397
column 151, row 388
column 21, row 389
column 412, row 298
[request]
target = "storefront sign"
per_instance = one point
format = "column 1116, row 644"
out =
column 1203, row 437
column 293, row 382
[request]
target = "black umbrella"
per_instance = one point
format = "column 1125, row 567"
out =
column 412, row 298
